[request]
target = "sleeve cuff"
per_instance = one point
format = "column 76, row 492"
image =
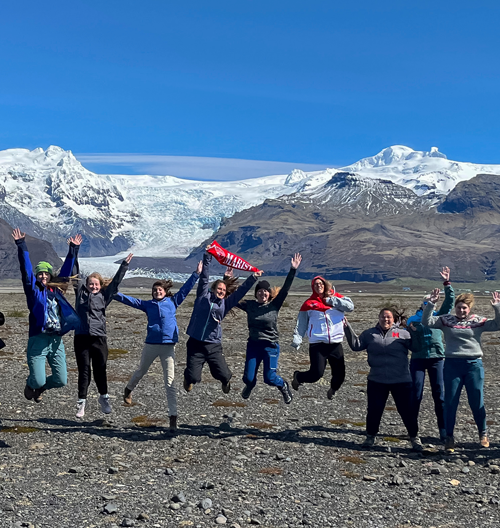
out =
column 446, row 283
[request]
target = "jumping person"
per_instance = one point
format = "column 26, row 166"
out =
column 463, row 365
column 387, row 346
column 91, row 346
column 51, row 316
column 161, row 337
column 204, row 329
column 262, row 345
column 428, row 354
column 321, row 317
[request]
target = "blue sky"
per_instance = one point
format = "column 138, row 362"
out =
column 311, row 84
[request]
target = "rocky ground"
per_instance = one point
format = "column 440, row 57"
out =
column 232, row 462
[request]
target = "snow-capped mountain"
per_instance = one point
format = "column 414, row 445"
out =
column 50, row 194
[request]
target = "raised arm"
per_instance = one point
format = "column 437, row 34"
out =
column 27, row 276
column 231, row 301
column 493, row 325
column 294, row 264
column 130, row 301
column 71, row 257
column 203, row 282
column 449, row 294
column 355, row 343
column 432, row 321
column 184, row 290
column 343, row 304
column 300, row 329
column 112, row 287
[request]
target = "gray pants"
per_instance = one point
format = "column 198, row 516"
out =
column 166, row 353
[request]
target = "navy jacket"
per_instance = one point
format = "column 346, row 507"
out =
column 209, row 310
column 162, row 323
column 36, row 293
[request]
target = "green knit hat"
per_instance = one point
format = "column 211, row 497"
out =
column 43, row 266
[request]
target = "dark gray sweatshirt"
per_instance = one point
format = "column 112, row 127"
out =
column 387, row 352
column 263, row 317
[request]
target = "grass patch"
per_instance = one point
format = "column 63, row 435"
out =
column 227, row 403
column 344, row 421
column 390, row 408
column 271, row 471
column 271, row 401
column 350, row 474
column 15, row 313
column 146, row 421
column 363, row 372
column 391, row 439
column 115, row 353
column 261, row 425
column 19, row 430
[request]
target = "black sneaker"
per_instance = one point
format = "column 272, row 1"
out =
column 286, row 393
column 330, row 394
column 226, row 387
column 29, row 393
column 173, row 424
column 37, row 396
column 245, row 393
column 188, row 387
column 295, row 381
column 127, row 396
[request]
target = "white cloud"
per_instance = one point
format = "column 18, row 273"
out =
column 190, row 167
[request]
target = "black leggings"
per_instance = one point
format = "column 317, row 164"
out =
column 319, row 355
column 201, row 352
column 91, row 349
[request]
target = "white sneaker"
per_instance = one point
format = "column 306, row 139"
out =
column 80, row 408
column 105, row 406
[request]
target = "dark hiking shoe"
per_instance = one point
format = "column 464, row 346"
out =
column 368, row 442
column 127, row 396
column 449, row 445
column 483, row 440
column 37, row 396
column 29, row 393
column 286, row 393
column 226, row 387
column 245, row 393
column 330, row 394
column 295, row 381
column 188, row 387
column 173, row 424
column 416, row 444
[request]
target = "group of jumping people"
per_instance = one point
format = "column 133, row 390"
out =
column 322, row 317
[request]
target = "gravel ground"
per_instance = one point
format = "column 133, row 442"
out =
column 232, row 462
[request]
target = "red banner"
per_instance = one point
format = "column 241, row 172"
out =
column 228, row 259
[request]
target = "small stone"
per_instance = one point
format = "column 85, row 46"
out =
column 454, row 482
column 254, row 521
column 207, row 485
column 128, row 522
column 279, row 456
column 465, row 469
column 113, row 470
column 74, row 470
column 369, row 478
column 205, row 504
column 471, row 463
column 175, row 506
column 143, row 517
column 221, row 519
column 436, row 471
column 397, row 480
column 108, row 498
column 495, row 470
column 110, row 508
column 180, row 497
column 169, row 472
column 402, row 463
column 326, row 495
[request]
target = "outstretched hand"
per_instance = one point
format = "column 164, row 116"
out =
column 496, row 297
column 17, row 235
column 434, row 298
column 199, row 268
column 129, row 258
column 258, row 274
column 445, row 273
column 296, row 260
column 228, row 274
column 76, row 240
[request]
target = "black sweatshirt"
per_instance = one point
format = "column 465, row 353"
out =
column 263, row 317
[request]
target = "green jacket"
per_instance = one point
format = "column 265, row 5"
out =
column 428, row 342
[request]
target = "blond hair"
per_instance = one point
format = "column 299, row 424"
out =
column 467, row 298
column 103, row 281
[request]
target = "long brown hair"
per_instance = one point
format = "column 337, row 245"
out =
column 61, row 283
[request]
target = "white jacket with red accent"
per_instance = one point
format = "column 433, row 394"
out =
column 323, row 327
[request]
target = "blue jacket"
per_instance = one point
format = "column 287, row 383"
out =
column 162, row 323
column 427, row 342
column 209, row 310
column 36, row 293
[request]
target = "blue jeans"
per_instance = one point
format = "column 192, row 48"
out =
column 434, row 367
column 51, row 348
column 457, row 373
column 268, row 353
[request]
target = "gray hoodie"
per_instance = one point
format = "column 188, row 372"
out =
column 387, row 352
column 462, row 337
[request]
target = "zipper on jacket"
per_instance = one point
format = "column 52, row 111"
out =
column 310, row 330
column 206, row 324
column 328, row 321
